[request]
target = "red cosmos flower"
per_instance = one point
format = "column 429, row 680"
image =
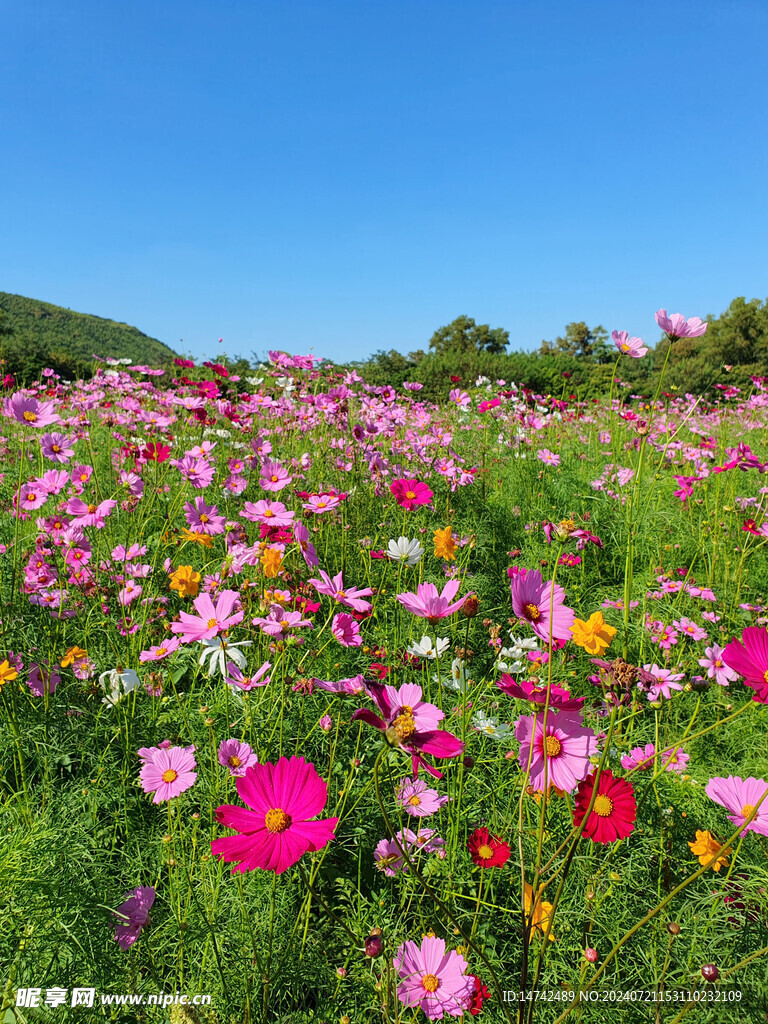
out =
column 751, row 527
column 410, row 493
column 478, row 997
column 377, row 669
column 185, row 364
column 750, row 659
column 156, row 452
column 455, row 380
column 222, row 371
column 487, row 851
column 613, row 813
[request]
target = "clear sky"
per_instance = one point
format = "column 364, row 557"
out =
column 342, row 176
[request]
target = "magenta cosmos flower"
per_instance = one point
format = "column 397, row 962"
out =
column 410, row 493
column 167, row 772
column 540, row 604
column 271, row 513
column 278, row 831
column 410, row 723
column 716, row 667
column 559, row 698
column 211, row 618
column 28, row 410
column 433, row 980
column 632, row 347
column 89, row 515
column 677, row 326
column 547, row 457
column 346, row 630
column 133, row 915
column 750, row 659
column 57, row 447
column 274, row 477
column 203, row 518
column 308, row 553
column 740, row 797
column 350, row 596
column 429, row 605
column 563, row 751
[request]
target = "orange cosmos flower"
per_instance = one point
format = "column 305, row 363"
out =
column 7, row 673
column 197, row 538
column 705, row 847
column 272, row 562
column 445, row 545
column 186, row 581
column 594, row 635
column 72, row 655
column 541, row 919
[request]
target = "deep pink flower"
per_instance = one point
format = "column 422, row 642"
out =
column 563, row 753
column 632, row 347
column 432, row 979
column 346, row 630
column 167, row 772
column 410, row 493
column 740, row 797
column 540, row 604
column 278, row 831
column 133, row 915
column 237, row 680
column 559, row 699
column 161, row 651
column 676, row 326
column 279, row 621
column 750, row 659
column 349, row 596
column 715, row 665
column 641, row 758
column 211, row 618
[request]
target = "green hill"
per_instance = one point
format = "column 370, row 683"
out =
column 36, row 334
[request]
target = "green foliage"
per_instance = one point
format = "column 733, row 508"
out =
column 36, row 334
column 581, row 342
column 463, row 335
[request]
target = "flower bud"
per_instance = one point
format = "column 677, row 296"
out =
column 374, row 944
column 325, row 723
column 471, row 606
column 590, row 954
column 673, row 928
column 709, row 972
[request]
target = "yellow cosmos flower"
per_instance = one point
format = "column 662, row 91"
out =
column 186, row 581
column 272, row 562
column 541, row 920
column 705, row 847
column 72, row 655
column 197, row 538
column 594, row 635
column 7, row 673
column 445, row 545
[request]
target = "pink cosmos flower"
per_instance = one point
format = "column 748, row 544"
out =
column 353, row 685
column 278, row 831
column 349, row 596
column 56, row 447
column 410, row 493
column 559, row 698
column 41, row 679
column 676, row 326
column 236, row 679
column 202, row 518
column 433, row 980
column 740, row 797
column 89, row 515
column 32, row 495
column 547, row 457
column 715, row 665
column 54, row 480
column 417, row 799
column 167, row 773
column 321, row 503
column 667, row 681
column 690, row 628
column 279, row 621
column 632, row 347
column 565, row 749
column 346, row 630
column 390, row 854
column 308, row 553
column 641, row 758
column 211, row 618
column 273, row 477
column 161, row 651
column 28, row 410
column 750, row 659
column 237, row 756
column 429, row 605
column 675, row 760
column 133, row 915
column 402, row 712
column 540, row 604
column 271, row 513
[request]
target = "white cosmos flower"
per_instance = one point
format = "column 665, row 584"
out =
column 120, row 682
column 219, row 652
column 458, row 678
column 490, row 726
column 404, row 550
column 426, row 649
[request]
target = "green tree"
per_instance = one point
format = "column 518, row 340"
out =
column 464, row 335
column 738, row 336
column 581, row 342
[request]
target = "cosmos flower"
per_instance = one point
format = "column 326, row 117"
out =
column 278, row 829
column 750, row 659
column 535, row 693
column 346, row 630
column 716, row 667
column 432, row 979
column 540, row 916
column 271, row 513
column 594, row 635
column 185, row 581
column 740, row 797
column 488, row 851
column 133, row 915
column 161, row 651
column 203, row 518
column 211, row 618
column 705, row 846
column 547, row 457
column 429, row 605
column 445, row 545
column 410, row 493
column 426, row 649
column 676, row 326
column 29, row 411
column 540, row 604
column 56, row 447
column 237, row 756
column 417, row 799
column 613, row 813
column 273, row 477
column 405, row 550
column 563, row 753
column 632, row 347
column 349, row 596
column 641, row 758
column 167, row 772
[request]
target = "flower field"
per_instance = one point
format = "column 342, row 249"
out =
column 333, row 704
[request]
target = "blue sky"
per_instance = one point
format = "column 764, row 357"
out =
column 342, row 176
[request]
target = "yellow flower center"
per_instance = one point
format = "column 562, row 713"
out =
column 235, row 762
column 31, row 497
column 603, row 806
column 30, row 417
column 430, row 982
column 405, row 723
column 322, row 504
column 719, row 664
column 746, row 810
column 55, row 447
column 161, row 652
column 553, row 746
column 274, row 479
column 624, row 347
column 414, row 801
column 170, row 775
column 268, row 513
column 204, row 518
column 91, row 509
column 484, row 852
column 276, row 820
column 83, row 477
column 211, row 623
column 532, row 611
column 411, row 495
